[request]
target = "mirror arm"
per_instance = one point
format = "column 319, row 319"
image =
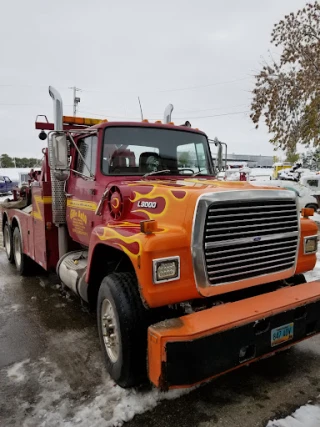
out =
column 81, row 156
column 89, row 178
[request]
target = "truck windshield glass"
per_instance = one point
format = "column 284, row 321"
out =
column 141, row 150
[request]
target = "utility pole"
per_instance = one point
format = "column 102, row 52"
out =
column 76, row 99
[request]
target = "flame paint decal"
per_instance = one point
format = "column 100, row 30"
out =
column 129, row 244
column 156, row 194
column 170, row 210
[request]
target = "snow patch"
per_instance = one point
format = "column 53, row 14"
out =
column 306, row 416
column 315, row 273
column 16, row 372
column 15, row 307
column 118, row 406
column 61, row 405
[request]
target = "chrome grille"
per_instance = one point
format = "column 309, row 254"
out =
column 249, row 238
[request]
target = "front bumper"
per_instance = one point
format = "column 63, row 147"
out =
column 199, row 346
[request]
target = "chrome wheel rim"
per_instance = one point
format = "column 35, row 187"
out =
column 7, row 241
column 110, row 330
column 17, row 249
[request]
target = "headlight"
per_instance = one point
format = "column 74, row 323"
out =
column 166, row 269
column 310, row 244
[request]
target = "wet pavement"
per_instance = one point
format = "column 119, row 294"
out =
column 51, row 372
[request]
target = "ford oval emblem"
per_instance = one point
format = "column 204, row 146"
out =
column 257, row 239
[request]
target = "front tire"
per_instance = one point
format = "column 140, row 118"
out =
column 7, row 242
column 21, row 260
column 122, row 324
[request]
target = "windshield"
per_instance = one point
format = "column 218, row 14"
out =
column 142, row 150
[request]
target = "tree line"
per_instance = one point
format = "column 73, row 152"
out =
column 18, row 162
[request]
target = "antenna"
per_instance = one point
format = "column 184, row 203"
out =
column 140, row 108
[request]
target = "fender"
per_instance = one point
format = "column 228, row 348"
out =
column 141, row 250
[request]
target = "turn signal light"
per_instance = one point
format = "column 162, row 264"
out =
column 306, row 212
column 148, row 226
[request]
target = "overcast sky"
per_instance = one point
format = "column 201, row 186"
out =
column 199, row 55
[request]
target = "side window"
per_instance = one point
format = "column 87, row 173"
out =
column 192, row 156
column 88, row 149
column 7, row 179
column 313, row 182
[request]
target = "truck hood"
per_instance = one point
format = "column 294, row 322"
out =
column 167, row 201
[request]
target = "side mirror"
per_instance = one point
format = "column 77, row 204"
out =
column 59, row 156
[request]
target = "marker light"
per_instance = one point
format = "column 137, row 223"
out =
column 82, row 121
column 306, row 212
column 149, row 226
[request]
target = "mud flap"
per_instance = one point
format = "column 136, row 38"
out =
column 194, row 348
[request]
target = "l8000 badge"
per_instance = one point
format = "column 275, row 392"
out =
column 151, row 205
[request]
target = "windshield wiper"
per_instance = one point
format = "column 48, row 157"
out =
column 157, row 172
column 198, row 173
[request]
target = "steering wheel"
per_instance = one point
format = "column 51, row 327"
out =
column 186, row 169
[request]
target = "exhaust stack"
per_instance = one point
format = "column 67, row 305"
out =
column 167, row 114
column 58, row 193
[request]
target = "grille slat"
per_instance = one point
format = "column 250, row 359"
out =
column 251, row 238
column 253, row 232
column 246, row 254
column 249, row 214
column 241, row 267
column 212, row 266
column 250, row 246
column 253, row 271
column 260, row 207
column 250, row 226
column 290, row 217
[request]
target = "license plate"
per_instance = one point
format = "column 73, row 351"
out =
column 281, row 334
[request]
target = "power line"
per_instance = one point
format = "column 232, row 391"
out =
column 150, row 91
column 179, row 118
column 169, row 90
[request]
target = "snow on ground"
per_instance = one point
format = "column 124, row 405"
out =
column 16, row 371
column 108, row 405
column 306, row 416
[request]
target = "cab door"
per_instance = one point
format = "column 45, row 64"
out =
column 81, row 189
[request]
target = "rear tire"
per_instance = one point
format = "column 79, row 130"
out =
column 22, row 261
column 122, row 325
column 8, row 242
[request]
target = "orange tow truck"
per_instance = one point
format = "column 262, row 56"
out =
column 190, row 277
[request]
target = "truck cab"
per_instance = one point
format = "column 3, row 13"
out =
column 190, row 276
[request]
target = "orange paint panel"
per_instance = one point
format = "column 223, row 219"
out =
column 221, row 318
column 171, row 203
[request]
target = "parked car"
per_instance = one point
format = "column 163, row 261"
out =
column 6, row 185
column 306, row 195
